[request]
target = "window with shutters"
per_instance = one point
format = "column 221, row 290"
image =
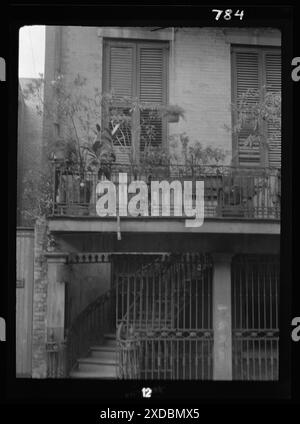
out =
column 259, row 70
column 136, row 71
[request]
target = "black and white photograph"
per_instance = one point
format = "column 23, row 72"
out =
column 149, row 203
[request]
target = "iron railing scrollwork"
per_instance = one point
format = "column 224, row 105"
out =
column 129, row 354
column 256, row 354
column 56, row 358
column 229, row 192
column 128, row 341
column 89, row 327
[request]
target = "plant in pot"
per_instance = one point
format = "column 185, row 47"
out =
column 196, row 162
column 173, row 113
column 73, row 189
column 197, row 159
column 155, row 161
column 59, row 150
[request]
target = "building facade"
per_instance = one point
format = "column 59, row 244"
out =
column 146, row 296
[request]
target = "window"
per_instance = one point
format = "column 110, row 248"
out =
column 136, row 70
column 258, row 69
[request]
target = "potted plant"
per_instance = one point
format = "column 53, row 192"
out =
column 198, row 162
column 59, row 150
column 173, row 113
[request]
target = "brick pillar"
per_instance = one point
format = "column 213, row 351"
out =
column 39, row 361
column 56, row 295
column 222, row 354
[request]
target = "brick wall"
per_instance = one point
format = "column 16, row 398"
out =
column 29, row 146
column 81, row 53
column 39, row 367
column 200, row 83
column 21, row 146
column 32, row 130
column 52, row 67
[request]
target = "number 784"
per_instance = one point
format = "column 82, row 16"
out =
column 227, row 14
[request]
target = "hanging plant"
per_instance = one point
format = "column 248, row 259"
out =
column 173, row 112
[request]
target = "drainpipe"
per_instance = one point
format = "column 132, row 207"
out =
column 173, row 62
column 118, row 227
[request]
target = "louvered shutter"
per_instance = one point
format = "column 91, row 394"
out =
column 121, row 70
column 119, row 80
column 138, row 70
column 246, row 77
column 273, row 85
column 152, row 72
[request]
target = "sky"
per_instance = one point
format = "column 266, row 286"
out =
column 31, row 51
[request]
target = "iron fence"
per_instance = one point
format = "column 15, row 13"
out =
column 255, row 315
column 164, row 316
column 178, row 356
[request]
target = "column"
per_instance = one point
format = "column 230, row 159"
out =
column 222, row 352
column 56, row 295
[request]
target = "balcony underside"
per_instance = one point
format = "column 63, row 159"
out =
column 161, row 225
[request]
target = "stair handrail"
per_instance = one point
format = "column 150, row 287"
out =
column 169, row 262
column 88, row 328
column 166, row 272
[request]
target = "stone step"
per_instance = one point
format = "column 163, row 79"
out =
column 110, row 340
column 106, row 366
column 103, row 352
column 101, row 362
column 110, row 336
column 103, row 375
column 102, row 348
column 97, row 361
column 110, row 343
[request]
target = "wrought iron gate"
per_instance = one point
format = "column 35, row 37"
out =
column 255, row 305
column 164, row 316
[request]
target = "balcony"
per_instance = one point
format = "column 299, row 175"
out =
column 230, row 193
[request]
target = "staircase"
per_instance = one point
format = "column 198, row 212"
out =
column 101, row 363
column 149, row 305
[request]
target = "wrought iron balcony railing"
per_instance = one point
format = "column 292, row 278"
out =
column 229, row 192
